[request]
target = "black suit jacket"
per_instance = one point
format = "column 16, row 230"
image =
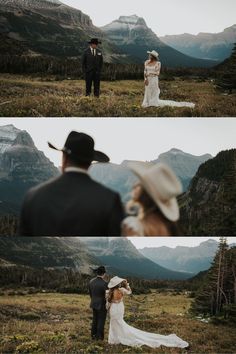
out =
column 97, row 291
column 91, row 62
column 71, row 205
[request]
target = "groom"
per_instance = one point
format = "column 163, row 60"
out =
column 73, row 204
column 97, row 292
column 92, row 62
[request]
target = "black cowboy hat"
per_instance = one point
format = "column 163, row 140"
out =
column 94, row 41
column 81, row 147
column 99, row 270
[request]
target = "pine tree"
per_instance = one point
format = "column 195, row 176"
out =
column 227, row 73
column 215, row 295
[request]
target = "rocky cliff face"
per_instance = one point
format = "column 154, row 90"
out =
column 208, row 207
column 22, row 165
column 41, row 252
column 133, row 36
column 46, row 27
column 214, row 46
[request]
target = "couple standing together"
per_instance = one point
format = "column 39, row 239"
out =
column 92, row 62
column 108, row 297
column 73, row 204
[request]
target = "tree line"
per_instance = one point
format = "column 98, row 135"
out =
column 71, row 68
column 68, row 280
column 216, row 296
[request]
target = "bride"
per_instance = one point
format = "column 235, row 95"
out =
column 121, row 333
column 152, row 68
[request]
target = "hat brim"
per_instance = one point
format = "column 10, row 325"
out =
column 117, row 282
column 156, row 56
column 99, row 42
column 97, row 155
column 169, row 209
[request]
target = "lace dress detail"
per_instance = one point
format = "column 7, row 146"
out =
column 152, row 90
column 121, row 333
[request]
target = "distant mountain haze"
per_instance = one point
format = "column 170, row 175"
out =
column 183, row 258
column 214, row 46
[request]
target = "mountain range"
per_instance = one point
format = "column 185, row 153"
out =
column 208, row 207
column 214, row 46
column 118, row 255
column 121, row 179
column 46, row 27
column 183, row 258
column 132, row 35
column 22, row 166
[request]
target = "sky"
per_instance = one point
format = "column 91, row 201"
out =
column 164, row 16
column 133, row 139
column 141, row 242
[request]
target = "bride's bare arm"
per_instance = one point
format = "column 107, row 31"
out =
column 158, row 68
column 125, row 289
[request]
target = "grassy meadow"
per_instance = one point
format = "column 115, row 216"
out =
column 60, row 323
column 25, row 96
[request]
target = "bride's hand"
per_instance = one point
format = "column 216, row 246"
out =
column 146, row 82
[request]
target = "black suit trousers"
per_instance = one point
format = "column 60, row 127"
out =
column 93, row 77
column 98, row 324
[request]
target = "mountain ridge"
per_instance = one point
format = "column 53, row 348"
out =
column 183, row 258
column 120, row 253
column 216, row 46
column 133, row 36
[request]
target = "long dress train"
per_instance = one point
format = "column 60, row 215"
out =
column 152, row 90
column 121, row 333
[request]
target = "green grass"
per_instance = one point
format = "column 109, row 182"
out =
column 58, row 323
column 25, row 96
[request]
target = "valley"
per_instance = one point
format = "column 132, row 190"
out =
column 49, row 322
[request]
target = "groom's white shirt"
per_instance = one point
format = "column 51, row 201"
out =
column 76, row 169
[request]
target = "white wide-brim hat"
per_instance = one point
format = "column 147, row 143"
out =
column 114, row 282
column 162, row 185
column 153, row 53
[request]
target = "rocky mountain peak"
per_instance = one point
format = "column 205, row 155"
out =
column 31, row 3
column 132, row 20
column 23, row 139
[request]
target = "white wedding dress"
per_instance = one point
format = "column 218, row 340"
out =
column 121, row 333
column 152, row 90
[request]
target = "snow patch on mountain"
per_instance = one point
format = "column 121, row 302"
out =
column 8, row 134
